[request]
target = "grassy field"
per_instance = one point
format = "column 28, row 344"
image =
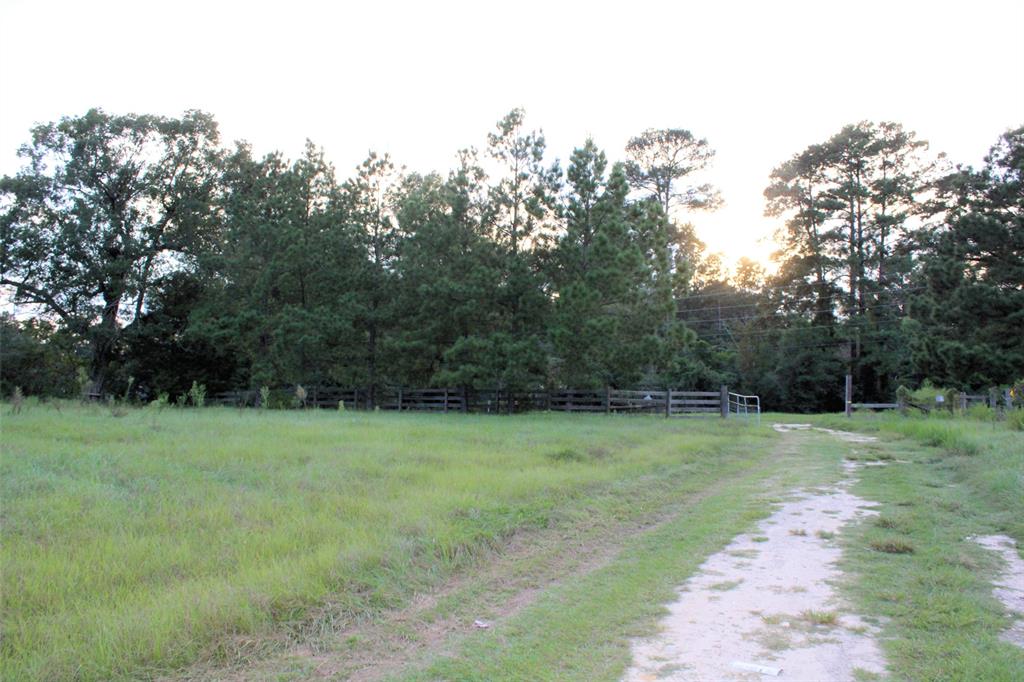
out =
column 283, row 545
column 134, row 546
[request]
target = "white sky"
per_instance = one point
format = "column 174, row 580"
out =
column 760, row 80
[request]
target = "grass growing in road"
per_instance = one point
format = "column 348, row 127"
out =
column 947, row 479
column 137, row 545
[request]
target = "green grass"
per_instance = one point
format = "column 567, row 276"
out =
column 916, row 570
column 987, row 458
column 581, row 630
column 195, row 541
column 139, row 545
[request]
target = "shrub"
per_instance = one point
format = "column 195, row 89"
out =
column 264, row 397
column 341, row 406
column 1015, row 420
column 197, row 394
column 17, row 399
column 84, row 385
column 904, row 396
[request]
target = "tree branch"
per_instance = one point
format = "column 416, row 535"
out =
column 41, row 297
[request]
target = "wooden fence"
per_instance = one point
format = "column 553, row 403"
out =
column 961, row 401
column 670, row 403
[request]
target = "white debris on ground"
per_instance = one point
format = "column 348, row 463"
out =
column 848, row 436
column 1009, row 586
column 767, row 605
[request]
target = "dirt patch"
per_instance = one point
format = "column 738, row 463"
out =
column 848, row 436
column 1009, row 586
column 781, row 612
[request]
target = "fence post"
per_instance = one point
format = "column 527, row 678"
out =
column 993, row 397
column 668, row 403
column 724, row 400
column 962, row 400
column 607, row 399
column 848, row 395
column 446, row 401
column 465, row 399
column 1007, row 400
column 399, row 398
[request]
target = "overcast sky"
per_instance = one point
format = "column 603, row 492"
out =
column 760, row 80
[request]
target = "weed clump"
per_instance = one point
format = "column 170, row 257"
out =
column 726, row 585
column 567, row 455
column 574, row 455
column 820, row 617
column 893, row 546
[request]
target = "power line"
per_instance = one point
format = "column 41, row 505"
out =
column 780, row 315
column 756, row 303
column 763, row 289
column 778, row 330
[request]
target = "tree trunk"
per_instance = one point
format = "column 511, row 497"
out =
column 104, row 337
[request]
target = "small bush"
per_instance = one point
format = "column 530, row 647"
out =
column 17, row 400
column 982, row 413
column 264, row 397
column 197, row 394
column 1015, row 420
column 341, row 406
column 84, row 385
column 278, row 399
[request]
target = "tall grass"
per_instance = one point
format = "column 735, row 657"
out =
column 915, row 567
column 986, row 456
column 136, row 545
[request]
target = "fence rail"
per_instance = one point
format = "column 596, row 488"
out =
column 961, row 401
column 745, row 406
column 670, row 403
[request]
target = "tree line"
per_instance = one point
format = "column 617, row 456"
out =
column 148, row 256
